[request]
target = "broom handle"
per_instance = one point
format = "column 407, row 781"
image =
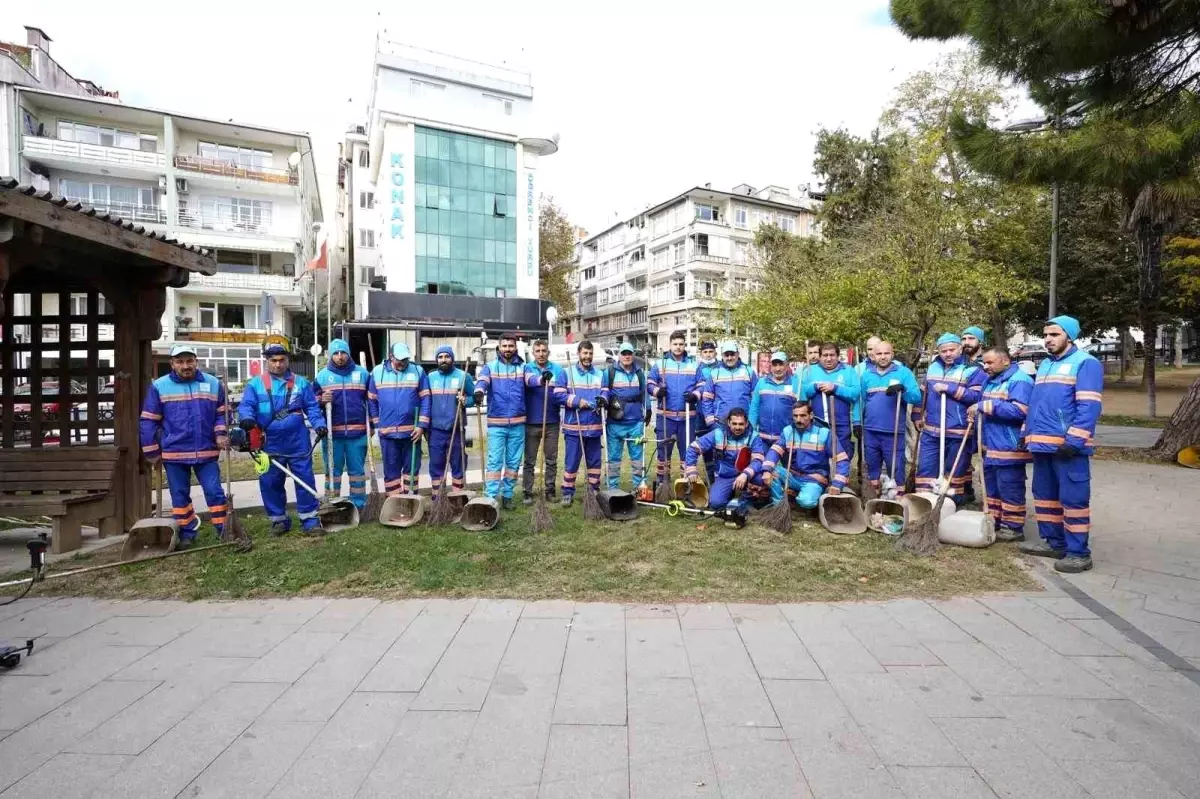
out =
column 954, row 468
column 896, row 434
column 832, row 432
column 545, row 410
column 987, row 511
column 787, row 477
column 370, row 455
column 450, row 446
column 412, row 460
column 228, row 449
column 326, row 448
column 158, row 473
column 942, row 442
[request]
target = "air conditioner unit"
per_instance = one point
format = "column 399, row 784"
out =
column 181, row 185
column 162, row 182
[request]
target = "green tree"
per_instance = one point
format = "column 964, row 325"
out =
column 556, row 256
column 857, row 175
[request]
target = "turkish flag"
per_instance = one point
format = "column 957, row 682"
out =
column 322, row 260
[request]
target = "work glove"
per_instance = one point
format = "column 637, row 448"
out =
column 660, row 393
column 1067, row 451
column 649, row 416
column 322, row 433
column 478, row 395
column 894, row 389
column 940, row 388
column 247, row 424
column 547, row 376
column 1021, row 444
column 692, row 401
column 601, row 403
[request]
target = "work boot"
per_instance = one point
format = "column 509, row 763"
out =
column 187, row 543
column 312, row 528
column 1074, row 564
column 1041, row 548
column 280, row 528
column 528, row 499
column 506, row 503
column 1009, row 534
column 549, row 492
column 566, row 500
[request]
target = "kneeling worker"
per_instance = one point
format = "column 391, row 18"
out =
column 730, row 443
column 811, row 447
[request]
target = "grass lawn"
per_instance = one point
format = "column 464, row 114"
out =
column 651, row 559
column 1128, row 399
column 1158, row 422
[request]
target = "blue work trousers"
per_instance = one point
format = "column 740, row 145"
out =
column 505, row 447
column 179, row 481
column 349, row 455
column 1006, row 495
column 440, row 449
column 675, row 432
column 273, row 487
column 808, row 489
column 622, row 435
column 576, row 452
column 1062, row 493
column 877, row 451
column 401, row 464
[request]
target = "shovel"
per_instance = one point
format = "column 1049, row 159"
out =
column 839, row 513
column 341, row 514
column 156, row 535
column 405, row 510
column 618, row 505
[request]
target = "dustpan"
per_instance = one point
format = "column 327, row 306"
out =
column 695, row 493
column 921, row 504
column 156, row 535
column 967, row 528
column 618, row 505
column 1189, row 457
column 839, row 513
column 459, row 500
column 402, row 510
column 480, row 514
column 884, row 507
column 335, row 516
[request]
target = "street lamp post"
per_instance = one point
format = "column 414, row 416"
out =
column 1035, row 126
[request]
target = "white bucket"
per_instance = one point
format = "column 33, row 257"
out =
column 967, row 528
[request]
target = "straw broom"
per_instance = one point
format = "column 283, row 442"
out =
column 779, row 516
column 233, row 530
column 374, row 497
column 662, row 486
column 443, row 511
column 591, row 503
column 540, row 520
column 921, row 537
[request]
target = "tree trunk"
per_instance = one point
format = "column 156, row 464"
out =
column 1123, row 350
column 999, row 328
column 1148, row 377
column 1149, row 240
column 1179, row 345
column 1183, row 430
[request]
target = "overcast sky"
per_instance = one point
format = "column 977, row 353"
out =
column 649, row 98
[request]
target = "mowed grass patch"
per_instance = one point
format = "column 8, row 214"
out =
column 652, row 559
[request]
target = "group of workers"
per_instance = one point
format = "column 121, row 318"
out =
column 759, row 440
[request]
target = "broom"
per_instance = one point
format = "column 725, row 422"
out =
column 591, row 503
column 910, row 483
column 540, row 520
column 662, row 488
column 443, row 511
column 374, row 499
column 921, row 537
column 779, row 516
column 232, row 531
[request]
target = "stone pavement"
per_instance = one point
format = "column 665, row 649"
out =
column 1111, row 435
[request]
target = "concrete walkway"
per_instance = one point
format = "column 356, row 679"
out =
column 1110, row 435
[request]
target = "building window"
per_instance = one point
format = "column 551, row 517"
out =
column 366, row 238
column 618, row 292
column 366, row 199
column 701, row 244
column 678, row 253
column 660, row 293
column 602, row 297
column 704, row 288
column 740, row 216
column 589, row 273
column 739, row 286
column 786, row 223
column 245, row 157
column 680, row 288
column 364, row 158
column 660, row 259
column 708, row 213
column 761, row 217
column 423, row 89
column 637, row 317
column 107, row 137
column 208, row 314
column 503, row 104
column 740, row 251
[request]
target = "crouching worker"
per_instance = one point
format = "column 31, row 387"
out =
column 183, row 423
column 810, row 446
column 278, row 403
column 738, row 454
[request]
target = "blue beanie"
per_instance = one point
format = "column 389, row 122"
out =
column 338, row 345
column 948, row 338
column 1069, row 324
column 445, row 349
column 977, row 332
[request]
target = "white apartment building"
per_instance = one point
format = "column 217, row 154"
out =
column 247, row 192
column 441, row 184
column 678, row 264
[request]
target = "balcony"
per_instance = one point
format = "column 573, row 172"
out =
column 236, row 171
column 226, row 219
column 239, row 281
column 223, row 335
column 713, row 259
column 130, row 212
column 65, row 154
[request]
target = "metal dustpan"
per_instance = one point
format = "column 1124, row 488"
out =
column 402, row 510
column 154, row 536
column 618, row 505
column 884, row 507
column 842, row 513
column 458, row 500
column 480, row 514
column 338, row 515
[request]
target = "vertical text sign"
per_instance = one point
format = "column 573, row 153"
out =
column 397, row 180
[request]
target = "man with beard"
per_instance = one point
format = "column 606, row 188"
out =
column 973, row 339
column 343, row 386
column 955, row 385
column 772, row 400
column 729, row 491
column 502, row 381
column 730, row 385
column 183, row 424
column 833, row 385
column 582, row 390
column 811, row 448
column 885, row 383
column 398, row 396
column 1002, row 413
column 705, row 364
column 542, row 372
column 451, row 390
column 671, row 382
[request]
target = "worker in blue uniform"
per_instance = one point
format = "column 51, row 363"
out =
column 279, row 403
column 540, row 409
column 628, row 414
column 1059, row 431
column 502, row 381
column 398, row 400
column 183, row 423
column 834, row 384
column 973, row 341
column 582, row 391
column 730, row 384
column 451, row 391
column 727, row 441
column 1002, row 413
column 810, row 447
column 886, row 384
column 772, row 399
column 705, row 363
column 343, row 387
column 956, row 385
column 671, row 382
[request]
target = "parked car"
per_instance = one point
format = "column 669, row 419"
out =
column 1029, row 356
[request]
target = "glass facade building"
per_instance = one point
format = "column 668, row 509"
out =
column 466, row 214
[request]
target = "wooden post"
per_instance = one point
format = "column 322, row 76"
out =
column 126, row 362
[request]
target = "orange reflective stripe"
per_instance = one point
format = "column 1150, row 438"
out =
column 1077, row 513
column 1088, row 396
column 1053, row 504
column 1042, row 439
column 1079, row 432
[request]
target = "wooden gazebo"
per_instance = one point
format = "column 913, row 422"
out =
column 68, row 418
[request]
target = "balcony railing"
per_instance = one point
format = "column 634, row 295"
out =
column 715, row 259
column 35, row 146
column 232, row 169
column 257, row 224
column 130, row 212
column 238, row 280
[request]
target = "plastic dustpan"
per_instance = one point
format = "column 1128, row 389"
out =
column 480, row 514
column 1189, row 457
column 876, row 508
column 921, row 504
column 338, row 515
column 154, row 536
column 459, row 500
column 842, row 514
column 697, row 495
column 402, row 510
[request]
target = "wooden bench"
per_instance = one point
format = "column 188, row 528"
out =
column 75, row 485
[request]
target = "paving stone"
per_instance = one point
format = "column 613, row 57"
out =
column 407, row 665
column 1119, row 780
column 450, row 607
column 1172, row 753
column 1172, row 607
column 139, row 725
column 654, row 649
column 422, row 757
column 256, row 760
column 925, row 623
column 936, row 782
column 1119, row 642
column 651, row 612
column 390, row 618
column 775, row 650
column 1069, row 729
column 988, row 673
column 754, row 762
column 592, row 688
column 461, row 678
column 346, row 749
column 833, row 647
column 23, row 608
column 139, row 630
column 585, row 761
column 24, row 699
column 497, row 610
column 341, row 615
column 599, row 615
column 229, row 637
column 321, row 691
column 1158, row 584
column 836, row 758
column 1061, row 636
column 1064, row 607
column 5, row 733
column 188, row 748
column 152, row 607
column 549, row 609
column 67, row 776
column 727, row 685
column 60, row 619
column 31, row 746
column 887, row 641
column 897, row 729
column 295, row 655
column 1000, row 752
column 939, row 691
column 713, row 616
column 668, row 745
